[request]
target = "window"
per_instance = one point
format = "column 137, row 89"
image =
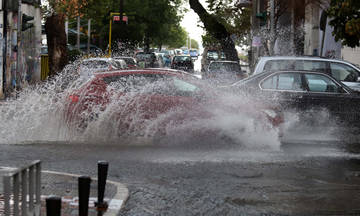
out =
column 284, row 81
column 321, row 83
column 224, row 67
column 150, row 84
column 291, row 64
column 343, row 72
column 307, row 65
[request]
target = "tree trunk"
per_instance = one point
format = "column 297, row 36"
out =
column 56, row 40
column 216, row 29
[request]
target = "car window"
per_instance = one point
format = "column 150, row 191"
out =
column 224, row 67
column 284, row 81
column 151, row 84
column 343, row 72
column 289, row 64
column 308, row 65
column 321, row 83
column 182, row 58
column 276, row 65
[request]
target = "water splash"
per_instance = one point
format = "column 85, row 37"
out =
column 37, row 115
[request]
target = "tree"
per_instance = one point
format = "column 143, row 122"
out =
column 236, row 17
column 345, row 16
column 216, row 29
column 194, row 44
column 151, row 23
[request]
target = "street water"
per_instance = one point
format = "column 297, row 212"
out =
column 36, row 115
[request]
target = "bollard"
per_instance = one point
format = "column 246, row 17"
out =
column 84, row 193
column 102, row 176
column 53, row 206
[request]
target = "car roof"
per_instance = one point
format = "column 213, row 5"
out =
column 224, row 62
column 318, row 58
column 269, row 73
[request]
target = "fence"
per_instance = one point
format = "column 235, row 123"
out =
column 44, row 66
column 23, row 184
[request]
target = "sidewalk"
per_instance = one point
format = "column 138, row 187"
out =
column 66, row 186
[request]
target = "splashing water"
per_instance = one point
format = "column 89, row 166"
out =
column 37, row 115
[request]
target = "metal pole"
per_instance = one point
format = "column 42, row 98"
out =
column 78, row 33
column 24, row 192
column 272, row 26
column 31, row 187
column 7, row 189
column 53, row 206
column 89, row 34
column 84, row 193
column 102, row 176
column 19, row 27
column 110, row 35
column 16, row 185
column 67, row 29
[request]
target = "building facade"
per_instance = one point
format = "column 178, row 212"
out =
column 21, row 44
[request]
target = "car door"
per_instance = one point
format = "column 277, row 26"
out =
column 325, row 93
column 285, row 88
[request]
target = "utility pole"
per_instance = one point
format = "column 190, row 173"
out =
column 2, row 43
column 272, row 26
column 89, row 35
column 78, row 33
column 18, row 55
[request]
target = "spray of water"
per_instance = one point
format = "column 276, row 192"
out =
column 37, row 114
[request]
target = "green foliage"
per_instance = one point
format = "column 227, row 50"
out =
column 153, row 22
column 345, row 18
column 234, row 16
column 194, row 44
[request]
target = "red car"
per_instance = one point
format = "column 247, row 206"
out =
column 148, row 101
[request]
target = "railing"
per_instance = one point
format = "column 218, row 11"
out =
column 44, row 66
column 24, row 184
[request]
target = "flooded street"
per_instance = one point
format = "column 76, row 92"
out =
column 213, row 180
column 239, row 170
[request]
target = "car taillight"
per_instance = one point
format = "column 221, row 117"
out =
column 74, row 98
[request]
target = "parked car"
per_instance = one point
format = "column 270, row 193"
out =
column 209, row 55
column 183, row 62
column 129, row 61
column 224, row 72
column 306, row 92
column 343, row 71
column 139, row 96
column 194, row 53
column 89, row 66
column 146, row 60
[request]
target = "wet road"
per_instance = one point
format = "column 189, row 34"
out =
column 296, row 179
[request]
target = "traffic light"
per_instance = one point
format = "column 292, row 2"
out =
column 262, row 16
column 25, row 20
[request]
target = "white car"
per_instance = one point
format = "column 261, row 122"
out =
column 343, row 71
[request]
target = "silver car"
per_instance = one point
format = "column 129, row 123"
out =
column 343, row 71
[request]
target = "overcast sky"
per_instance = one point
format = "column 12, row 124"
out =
column 191, row 21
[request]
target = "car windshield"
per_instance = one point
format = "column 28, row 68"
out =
column 152, row 84
column 182, row 58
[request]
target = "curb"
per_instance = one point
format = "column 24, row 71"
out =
column 117, row 202
column 122, row 192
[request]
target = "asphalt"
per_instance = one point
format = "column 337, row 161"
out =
column 65, row 185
